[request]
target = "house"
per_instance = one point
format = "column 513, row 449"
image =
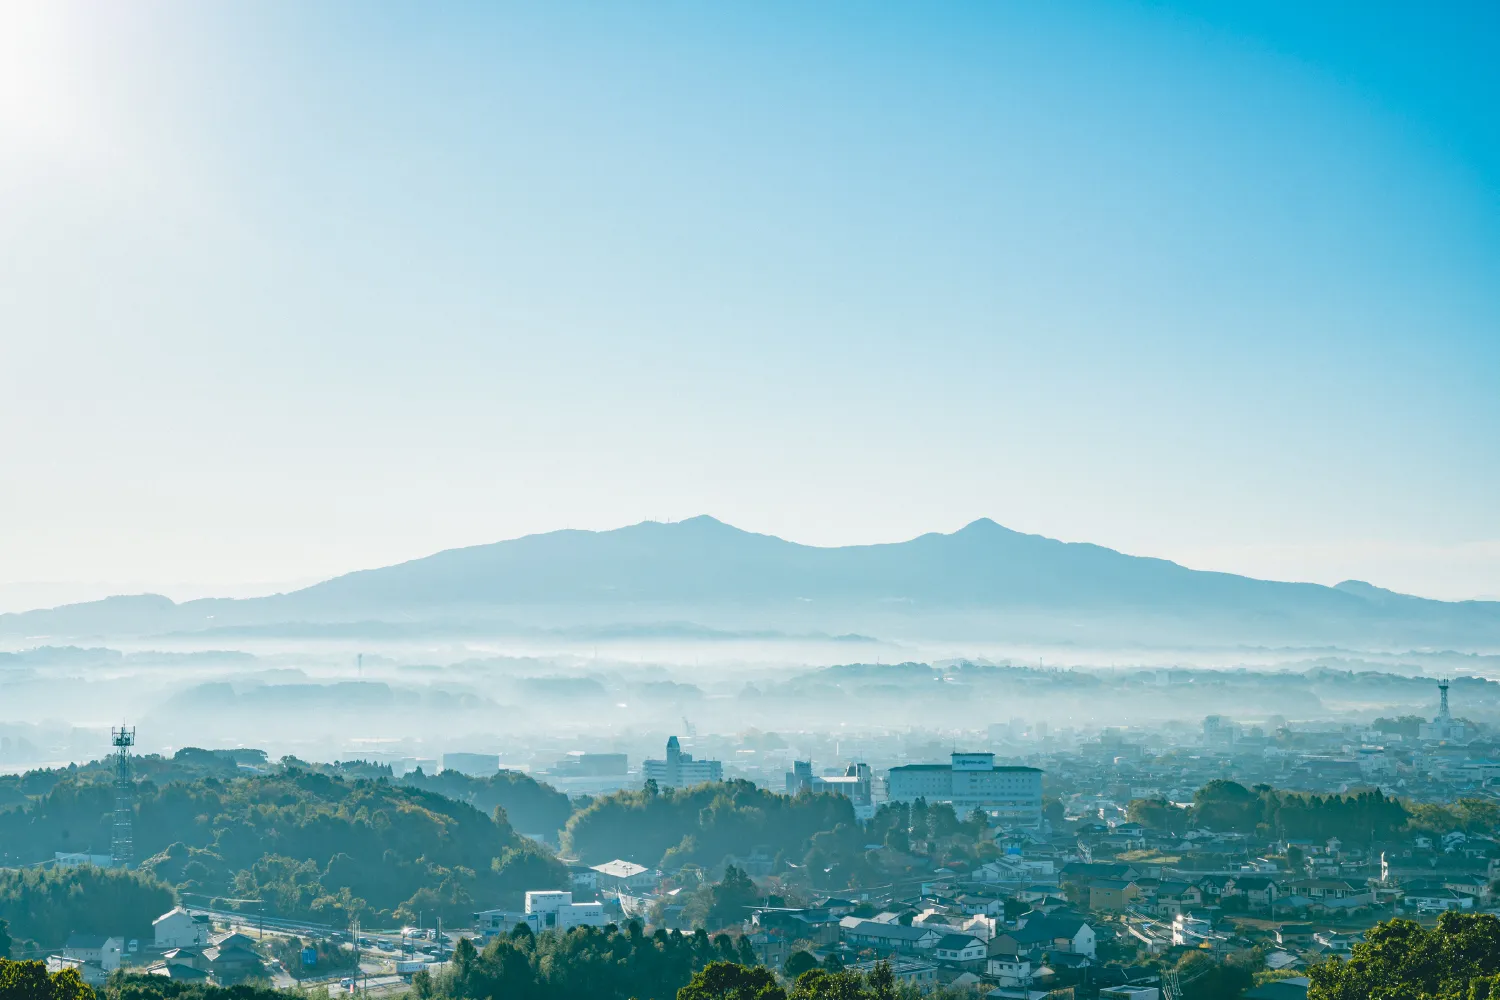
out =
column 1278, row 960
column 1474, row 884
column 1212, row 887
column 815, row 924
column 1015, row 868
column 1113, row 895
column 625, row 876
column 1008, row 970
column 1067, row 933
column 177, row 928
column 89, row 972
column 771, row 947
column 989, row 906
column 1173, row 898
column 960, row 949
column 189, row 955
column 178, row 972
column 1257, row 889
column 1332, row 893
column 235, row 960
column 1430, row 898
column 1290, row 935
column 95, row 949
column 888, row 937
column 1042, row 933
column 1332, row 943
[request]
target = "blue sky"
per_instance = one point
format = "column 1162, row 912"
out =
column 295, row 289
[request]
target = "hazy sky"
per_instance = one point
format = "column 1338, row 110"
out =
column 290, row 289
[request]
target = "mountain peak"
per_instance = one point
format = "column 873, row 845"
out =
column 984, row 574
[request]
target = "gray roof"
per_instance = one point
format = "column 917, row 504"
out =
column 893, row 932
column 957, row 942
column 86, row 942
column 1294, row 988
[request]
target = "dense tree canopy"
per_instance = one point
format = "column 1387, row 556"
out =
column 30, row 981
column 1229, row 806
column 47, row 906
column 310, row 843
column 703, row 825
column 144, row 987
column 531, row 806
column 581, row 964
column 1459, row 959
column 724, row 904
column 1157, row 814
column 731, row 981
column 1204, row 979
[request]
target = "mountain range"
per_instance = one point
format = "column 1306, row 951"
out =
column 982, row 581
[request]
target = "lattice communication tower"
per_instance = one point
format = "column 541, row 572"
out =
column 122, row 841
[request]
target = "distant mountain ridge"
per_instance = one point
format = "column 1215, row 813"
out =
column 702, row 564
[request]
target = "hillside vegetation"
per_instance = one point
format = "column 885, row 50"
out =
column 312, row 845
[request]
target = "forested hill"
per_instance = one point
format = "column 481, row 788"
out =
column 315, row 845
column 693, row 569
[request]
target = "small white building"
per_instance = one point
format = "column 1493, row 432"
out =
column 1009, row 970
column 177, row 928
column 91, row 973
column 1130, row 993
column 556, row 910
column 546, row 910
column 959, row 948
column 75, row 859
column 95, row 956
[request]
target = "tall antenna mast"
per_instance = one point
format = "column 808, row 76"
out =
column 122, row 841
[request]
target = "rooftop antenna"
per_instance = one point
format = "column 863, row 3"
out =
column 122, row 840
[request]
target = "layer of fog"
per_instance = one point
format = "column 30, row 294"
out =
column 530, row 702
